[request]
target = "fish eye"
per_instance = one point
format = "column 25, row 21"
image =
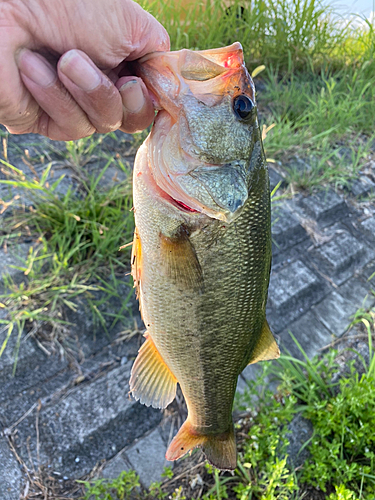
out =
column 243, row 106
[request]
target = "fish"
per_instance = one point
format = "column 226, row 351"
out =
column 201, row 255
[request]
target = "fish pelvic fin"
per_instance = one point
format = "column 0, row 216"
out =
column 266, row 347
column 151, row 381
column 220, row 449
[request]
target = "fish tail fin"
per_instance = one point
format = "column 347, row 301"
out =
column 220, row 449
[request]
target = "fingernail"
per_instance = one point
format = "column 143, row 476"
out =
column 132, row 96
column 36, row 68
column 79, row 70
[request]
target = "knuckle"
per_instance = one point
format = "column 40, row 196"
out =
column 105, row 128
column 74, row 135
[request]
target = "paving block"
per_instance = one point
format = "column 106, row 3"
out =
column 250, row 373
column 275, row 178
column 27, row 360
column 114, row 467
column 292, row 291
column 368, row 274
column 339, row 257
column 335, row 313
column 326, row 207
column 286, row 229
column 147, row 457
column 309, row 332
column 31, row 383
column 283, row 257
column 368, row 226
column 297, row 165
column 361, row 187
column 32, row 370
column 11, row 477
column 39, row 376
column 358, row 293
column 90, row 336
column 91, row 422
column 300, row 431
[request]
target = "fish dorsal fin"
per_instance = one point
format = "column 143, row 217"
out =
column 180, row 262
column 151, row 381
column 136, row 261
column 266, row 347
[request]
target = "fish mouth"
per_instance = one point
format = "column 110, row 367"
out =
column 224, row 56
column 183, row 207
column 226, row 203
column 217, row 191
column 204, row 74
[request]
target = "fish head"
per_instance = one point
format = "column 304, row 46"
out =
column 205, row 144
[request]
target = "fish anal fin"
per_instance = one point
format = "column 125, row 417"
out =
column 220, row 449
column 266, row 347
column 151, row 381
column 180, row 262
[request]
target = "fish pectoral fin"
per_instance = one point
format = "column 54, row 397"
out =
column 151, row 381
column 220, row 449
column 180, row 262
column 266, row 347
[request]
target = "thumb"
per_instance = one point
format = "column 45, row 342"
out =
column 148, row 35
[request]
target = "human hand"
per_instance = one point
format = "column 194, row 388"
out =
column 65, row 68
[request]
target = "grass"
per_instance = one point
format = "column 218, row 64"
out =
column 74, row 236
column 286, row 34
column 340, row 462
column 327, row 119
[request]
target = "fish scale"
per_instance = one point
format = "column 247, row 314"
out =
column 201, row 270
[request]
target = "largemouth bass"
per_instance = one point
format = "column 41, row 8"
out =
column 202, row 245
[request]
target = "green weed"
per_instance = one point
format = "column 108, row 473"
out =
column 341, row 460
column 127, row 486
column 326, row 119
column 76, row 235
column 343, row 445
column 107, row 489
column 342, row 448
column 288, row 34
column 263, row 471
column 342, row 493
column 319, row 80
